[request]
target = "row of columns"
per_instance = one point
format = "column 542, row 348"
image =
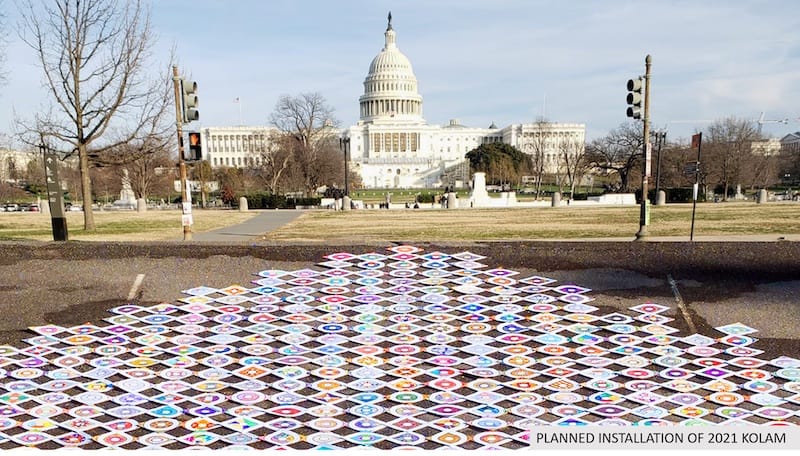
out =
column 386, row 107
column 397, row 142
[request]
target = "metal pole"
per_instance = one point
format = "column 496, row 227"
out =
column 643, row 210
column 660, row 137
column 346, row 173
column 187, row 227
column 696, row 189
column 344, row 144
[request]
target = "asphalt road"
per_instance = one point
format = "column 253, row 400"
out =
column 754, row 283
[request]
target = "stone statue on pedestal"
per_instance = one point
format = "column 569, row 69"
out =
column 127, row 199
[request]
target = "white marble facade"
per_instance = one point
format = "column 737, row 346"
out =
column 392, row 146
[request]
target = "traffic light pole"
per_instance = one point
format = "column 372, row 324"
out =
column 186, row 206
column 642, row 233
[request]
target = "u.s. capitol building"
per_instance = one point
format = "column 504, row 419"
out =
column 392, row 146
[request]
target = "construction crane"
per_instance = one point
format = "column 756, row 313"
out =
column 760, row 121
column 690, row 121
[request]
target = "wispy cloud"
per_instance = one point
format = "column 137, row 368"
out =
column 484, row 61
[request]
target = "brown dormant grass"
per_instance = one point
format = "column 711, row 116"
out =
column 153, row 225
column 722, row 219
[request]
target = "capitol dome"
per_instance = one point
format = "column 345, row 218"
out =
column 390, row 88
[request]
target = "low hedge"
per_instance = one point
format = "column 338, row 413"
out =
column 263, row 200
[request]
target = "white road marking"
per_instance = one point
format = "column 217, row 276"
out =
column 681, row 304
column 135, row 288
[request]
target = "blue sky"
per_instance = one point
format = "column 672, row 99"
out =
column 504, row 61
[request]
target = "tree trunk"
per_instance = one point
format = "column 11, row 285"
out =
column 623, row 180
column 86, row 189
column 202, row 187
column 572, row 187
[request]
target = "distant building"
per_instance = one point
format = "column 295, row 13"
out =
column 766, row 147
column 791, row 143
column 14, row 164
column 790, row 150
column 235, row 147
column 392, row 146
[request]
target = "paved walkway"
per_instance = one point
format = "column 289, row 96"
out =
column 265, row 221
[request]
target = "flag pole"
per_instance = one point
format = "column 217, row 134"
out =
column 239, row 102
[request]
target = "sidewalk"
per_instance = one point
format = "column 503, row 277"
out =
column 266, row 220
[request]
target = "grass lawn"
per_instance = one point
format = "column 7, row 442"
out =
column 430, row 224
column 540, row 223
column 153, row 225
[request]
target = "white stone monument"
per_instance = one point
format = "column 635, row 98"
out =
column 127, row 199
column 739, row 195
column 478, row 196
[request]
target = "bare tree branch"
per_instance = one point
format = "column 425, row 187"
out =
column 730, row 150
column 94, row 56
column 618, row 152
column 573, row 156
column 309, row 135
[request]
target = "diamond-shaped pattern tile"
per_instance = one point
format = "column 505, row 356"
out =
column 396, row 349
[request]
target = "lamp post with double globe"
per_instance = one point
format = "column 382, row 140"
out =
column 344, row 145
column 660, row 136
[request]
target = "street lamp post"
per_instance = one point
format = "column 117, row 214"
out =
column 661, row 136
column 344, row 145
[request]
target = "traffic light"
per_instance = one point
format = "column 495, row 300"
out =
column 635, row 98
column 195, row 146
column 189, row 95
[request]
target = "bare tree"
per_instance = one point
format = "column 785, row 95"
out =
column 308, row 127
column 143, row 160
column 538, row 152
column 202, row 172
column 789, row 160
column 674, row 157
column 573, row 159
column 618, row 152
column 729, row 150
column 328, row 169
column 764, row 169
column 106, row 183
column 11, row 193
column 94, row 55
column 231, row 183
column 275, row 155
